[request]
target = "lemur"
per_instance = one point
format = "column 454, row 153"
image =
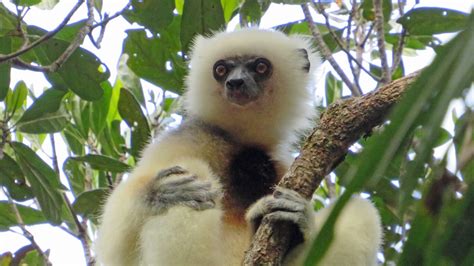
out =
column 199, row 190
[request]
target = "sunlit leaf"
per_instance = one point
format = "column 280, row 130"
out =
column 200, row 17
column 26, row 2
column 229, row 7
column 17, row 99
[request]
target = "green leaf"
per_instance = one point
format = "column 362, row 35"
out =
column 47, row 4
column 5, row 67
column 47, row 123
column 12, row 178
column 69, row 32
column 333, row 89
column 155, row 15
column 89, row 204
column 98, row 5
column 103, row 163
column 418, row 42
column 74, row 139
column 130, row 80
column 80, row 73
column 99, row 109
column 16, row 100
column 156, row 59
column 449, row 74
column 229, row 7
column 368, row 11
column 75, row 172
column 48, row 102
column 111, row 140
column 8, row 218
column 433, row 20
column 8, row 21
column 32, row 257
column 200, row 17
column 26, row 2
column 131, row 112
column 44, row 181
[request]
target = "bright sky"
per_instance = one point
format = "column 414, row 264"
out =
column 65, row 249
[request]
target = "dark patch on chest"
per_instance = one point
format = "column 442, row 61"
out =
column 252, row 174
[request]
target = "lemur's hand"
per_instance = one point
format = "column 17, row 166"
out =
column 285, row 205
column 176, row 186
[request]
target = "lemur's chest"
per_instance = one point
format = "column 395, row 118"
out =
column 250, row 175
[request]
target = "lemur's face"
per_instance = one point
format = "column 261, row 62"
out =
column 243, row 79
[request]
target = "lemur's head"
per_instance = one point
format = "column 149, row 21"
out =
column 256, row 72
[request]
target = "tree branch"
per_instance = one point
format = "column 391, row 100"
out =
column 43, row 38
column 341, row 45
column 342, row 124
column 27, row 234
column 379, row 20
column 326, row 53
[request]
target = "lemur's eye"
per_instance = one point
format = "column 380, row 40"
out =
column 262, row 66
column 220, row 69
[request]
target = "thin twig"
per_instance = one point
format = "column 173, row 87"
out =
column 82, row 231
column 27, row 234
column 326, row 53
column 369, row 32
column 102, row 24
column 107, row 19
column 379, row 20
column 20, row 64
column 397, row 51
column 340, row 43
column 77, row 40
column 43, row 38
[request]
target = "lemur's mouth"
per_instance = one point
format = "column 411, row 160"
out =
column 239, row 97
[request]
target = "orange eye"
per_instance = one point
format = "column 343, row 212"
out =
column 261, row 68
column 220, row 70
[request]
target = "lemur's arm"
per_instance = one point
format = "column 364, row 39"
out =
column 165, row 177
column 357, row 235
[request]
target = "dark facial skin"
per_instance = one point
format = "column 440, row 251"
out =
column 243, row 78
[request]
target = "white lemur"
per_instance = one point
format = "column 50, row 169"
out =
column 199, row 190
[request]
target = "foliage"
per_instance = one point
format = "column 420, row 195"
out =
column 103, row 124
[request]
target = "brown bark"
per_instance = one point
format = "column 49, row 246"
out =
column 342, row 124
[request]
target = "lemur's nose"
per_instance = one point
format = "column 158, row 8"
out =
column 233, row 84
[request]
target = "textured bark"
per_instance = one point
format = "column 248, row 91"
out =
column 342, row 124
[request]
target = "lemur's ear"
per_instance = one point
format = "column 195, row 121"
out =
column 304, row 53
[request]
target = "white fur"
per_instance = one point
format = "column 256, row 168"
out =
column 288, row 101
column 357, row 236
column 131, row 234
